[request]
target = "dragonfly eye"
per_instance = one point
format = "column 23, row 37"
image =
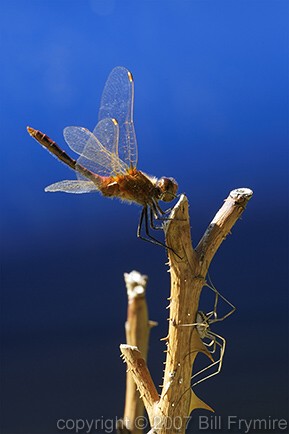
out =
column 168, row 188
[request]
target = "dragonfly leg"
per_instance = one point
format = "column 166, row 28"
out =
column 144, row 220
column 161, row 211
column 167, row 211
column 158, row 213
column 154, row 217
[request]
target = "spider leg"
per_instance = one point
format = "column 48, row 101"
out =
column 193, row 324
column 214, row 311
column 209, row 344
column 210, row 314
column 218, row 362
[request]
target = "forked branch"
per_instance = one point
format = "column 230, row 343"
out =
column 188, row 268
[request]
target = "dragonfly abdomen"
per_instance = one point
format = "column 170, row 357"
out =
column 52, row 147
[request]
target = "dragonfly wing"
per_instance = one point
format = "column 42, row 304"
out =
column 117, row 103
column 72, row 187
column 107, row 132
column 93, row 155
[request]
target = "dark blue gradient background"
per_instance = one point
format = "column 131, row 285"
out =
column 211, row 109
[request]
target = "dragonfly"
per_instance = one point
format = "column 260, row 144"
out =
column 107, row 161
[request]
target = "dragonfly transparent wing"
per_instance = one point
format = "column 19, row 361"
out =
column 107, row 132
column 68, row 186
column 117, row 103
column 99, row 159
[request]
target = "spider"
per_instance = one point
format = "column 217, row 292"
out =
column 209, row 338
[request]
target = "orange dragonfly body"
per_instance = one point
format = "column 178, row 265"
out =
column 108, row 156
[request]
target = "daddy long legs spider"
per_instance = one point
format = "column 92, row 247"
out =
column 108, row 156
column 210, row 339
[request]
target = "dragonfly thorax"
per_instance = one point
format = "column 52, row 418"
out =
column 168, row 188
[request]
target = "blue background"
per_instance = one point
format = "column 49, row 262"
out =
column 211, row 110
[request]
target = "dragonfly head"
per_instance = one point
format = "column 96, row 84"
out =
column 168, row 188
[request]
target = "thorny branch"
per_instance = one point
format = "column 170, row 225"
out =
column 188, row 269
column 137, row 328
